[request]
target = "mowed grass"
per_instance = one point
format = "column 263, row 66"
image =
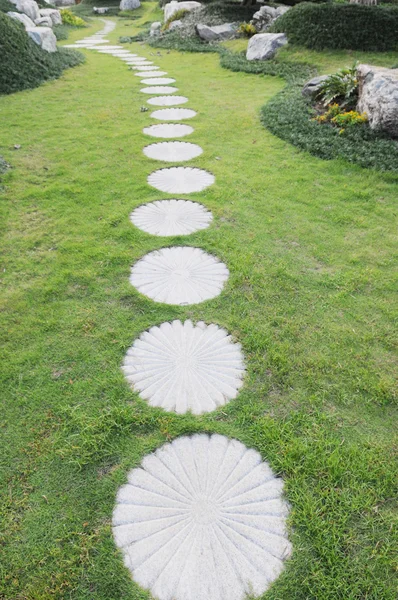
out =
column 311, row 248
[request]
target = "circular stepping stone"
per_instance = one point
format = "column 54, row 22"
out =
column 159, row 89
column 145, row 68
column 168, row 130
column 111, row 47
column 167, row 100
column 179, row 275
column 171, row 217
column 158, row 81
column 185, row 368
column 173, row 114
column 180, row 180
column 202, row 518
column 173, row 151
column 151, row 74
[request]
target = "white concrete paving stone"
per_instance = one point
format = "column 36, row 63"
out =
column 202, row 518
column 159, row 89
column 181, row 180
column 182, row 367
column 168, row 130
column 145, row 68
column 179, row 275
column 111, row 47
column 173, row 151
column 171, row 217
column 167, row 100
column 158, row 81
column 173, row 114
column 150, row 74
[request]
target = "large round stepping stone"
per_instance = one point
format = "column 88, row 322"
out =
column 173, row 114
column 202, row 518
column 185, row 368
column 158, row 81
column 167, row 100
column 181, row 180
column 111, row 48
column 173, row 151
column 171, row 217
column 179, row 275
column 168, row 130
column 159, row 89
column 151, row 74
column 144, row 68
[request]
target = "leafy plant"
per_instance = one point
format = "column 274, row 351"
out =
column 179, row 14
column 341, row 86
column 247, row 29
column 68, row 18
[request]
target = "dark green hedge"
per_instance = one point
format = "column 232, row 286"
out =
column 334, row 26
column 23, row 64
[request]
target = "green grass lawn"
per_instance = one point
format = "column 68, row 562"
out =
column 312, row 250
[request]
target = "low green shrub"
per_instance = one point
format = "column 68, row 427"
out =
column 339, row 26
column 6, row 6
column 61, row 32
column 247, row 29
column 23, row 64
column 68, row 18
column 289, row 116
column 290, row 71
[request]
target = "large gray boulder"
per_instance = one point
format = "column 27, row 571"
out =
column 129, row 4
column 29, row 7
column 281, row 10
column 217, row 32
column 63, row 2
column 24, row 19
column 263, row 46
column 312, row 87
column 155, row 28
column 53, row 13
column 173, row 7
column 44, row 22
column 378, row 97
column 44, row 37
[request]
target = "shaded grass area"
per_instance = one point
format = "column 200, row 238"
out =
column 311, row 247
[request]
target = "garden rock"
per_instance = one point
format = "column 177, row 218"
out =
column 129, row 4
column 24, row 19
column 30, row 8
column 263, row 46
column 175, row 24
column 53, row 13
column 63, row 2
column 281, row 10
column 155, row 28
column 44, row 37
column 173, row 7
column 378, row 97
column 102, row 10
column 264, row 17
column 312, row 87
column 217, row 32
column 44, row 22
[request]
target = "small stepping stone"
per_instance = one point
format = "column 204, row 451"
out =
column 145, row 68
column 151, row 74
column 159, row 89
column 173, row 114
column 111, row 47
column 181, row 180
column 158, row 81
column 202, row 518
column 173, row 151
column 171, row 217
column 168, row 130
column 180, row 275
column 185, row 368
column 167, row 100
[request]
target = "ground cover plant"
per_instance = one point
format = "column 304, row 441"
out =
column 23, row 64
column 311, row 250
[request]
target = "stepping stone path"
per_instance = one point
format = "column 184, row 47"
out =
column 203, row 518
column 173, row 151
column 173, row 114
column 171, row 217
column 179, row 275
column 181, row 367
column 167, row 100
column 168, row 130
